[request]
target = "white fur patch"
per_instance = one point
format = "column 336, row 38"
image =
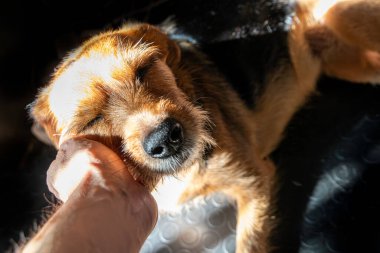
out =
column 168, row 192
column 74, row 84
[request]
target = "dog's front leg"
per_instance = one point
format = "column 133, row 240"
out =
column 255, row 217
column 255, row 221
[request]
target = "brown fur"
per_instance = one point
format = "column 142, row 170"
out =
column 95, row 92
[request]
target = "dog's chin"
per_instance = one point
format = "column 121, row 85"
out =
column 184, row 158
column 190, row 153
column 171, row 165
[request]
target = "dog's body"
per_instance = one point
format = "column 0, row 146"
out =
column 161, row 104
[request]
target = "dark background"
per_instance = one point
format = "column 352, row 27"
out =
column 329, row 162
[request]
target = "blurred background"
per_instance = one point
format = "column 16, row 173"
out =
column 329, row 163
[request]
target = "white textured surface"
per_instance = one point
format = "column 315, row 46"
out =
column 203, row 225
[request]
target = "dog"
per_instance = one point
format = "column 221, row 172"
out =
column 161, row 104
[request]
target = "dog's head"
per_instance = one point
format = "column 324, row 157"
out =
column 120, row 87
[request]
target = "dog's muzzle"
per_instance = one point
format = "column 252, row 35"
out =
column 165, row 140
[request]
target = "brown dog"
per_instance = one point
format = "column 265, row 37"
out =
column 163, row 105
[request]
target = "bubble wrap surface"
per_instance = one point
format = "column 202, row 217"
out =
column 204, row 225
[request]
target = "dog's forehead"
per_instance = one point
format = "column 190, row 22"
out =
column 117, row 49
column 122, row 46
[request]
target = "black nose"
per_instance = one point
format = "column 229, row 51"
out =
column 165, row 140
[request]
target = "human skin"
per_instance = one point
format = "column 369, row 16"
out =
column 104, row 209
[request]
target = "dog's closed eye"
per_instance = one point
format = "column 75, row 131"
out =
column 143, row 70
column 93, row 122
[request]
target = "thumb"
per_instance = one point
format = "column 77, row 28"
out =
column 78, row 159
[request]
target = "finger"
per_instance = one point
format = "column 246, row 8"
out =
column 73, row 163
column 79, row 157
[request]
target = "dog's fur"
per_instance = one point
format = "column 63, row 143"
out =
column 120, row 85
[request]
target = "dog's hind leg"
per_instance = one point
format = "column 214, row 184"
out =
column 289, row 87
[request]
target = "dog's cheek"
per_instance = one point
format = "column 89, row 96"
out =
column 45, row 124
column 49, row 125
column 45, row 133
column 110, row 139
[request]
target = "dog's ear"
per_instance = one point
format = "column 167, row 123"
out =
column 44, row 126
column 169, row 50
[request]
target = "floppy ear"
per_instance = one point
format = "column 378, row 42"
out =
column 44, row 126
column 169, row 49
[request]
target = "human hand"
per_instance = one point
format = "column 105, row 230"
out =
column 104, row 209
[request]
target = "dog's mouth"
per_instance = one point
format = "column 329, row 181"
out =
column 177, row 142
column 150, row 170
column 169, row 148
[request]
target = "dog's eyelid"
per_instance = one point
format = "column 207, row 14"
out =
column 144, row 68
column 93, row 121
column 155, row 59
column 141, row 71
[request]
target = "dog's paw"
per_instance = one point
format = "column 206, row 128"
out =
column 345, row 38
column 356, row 22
